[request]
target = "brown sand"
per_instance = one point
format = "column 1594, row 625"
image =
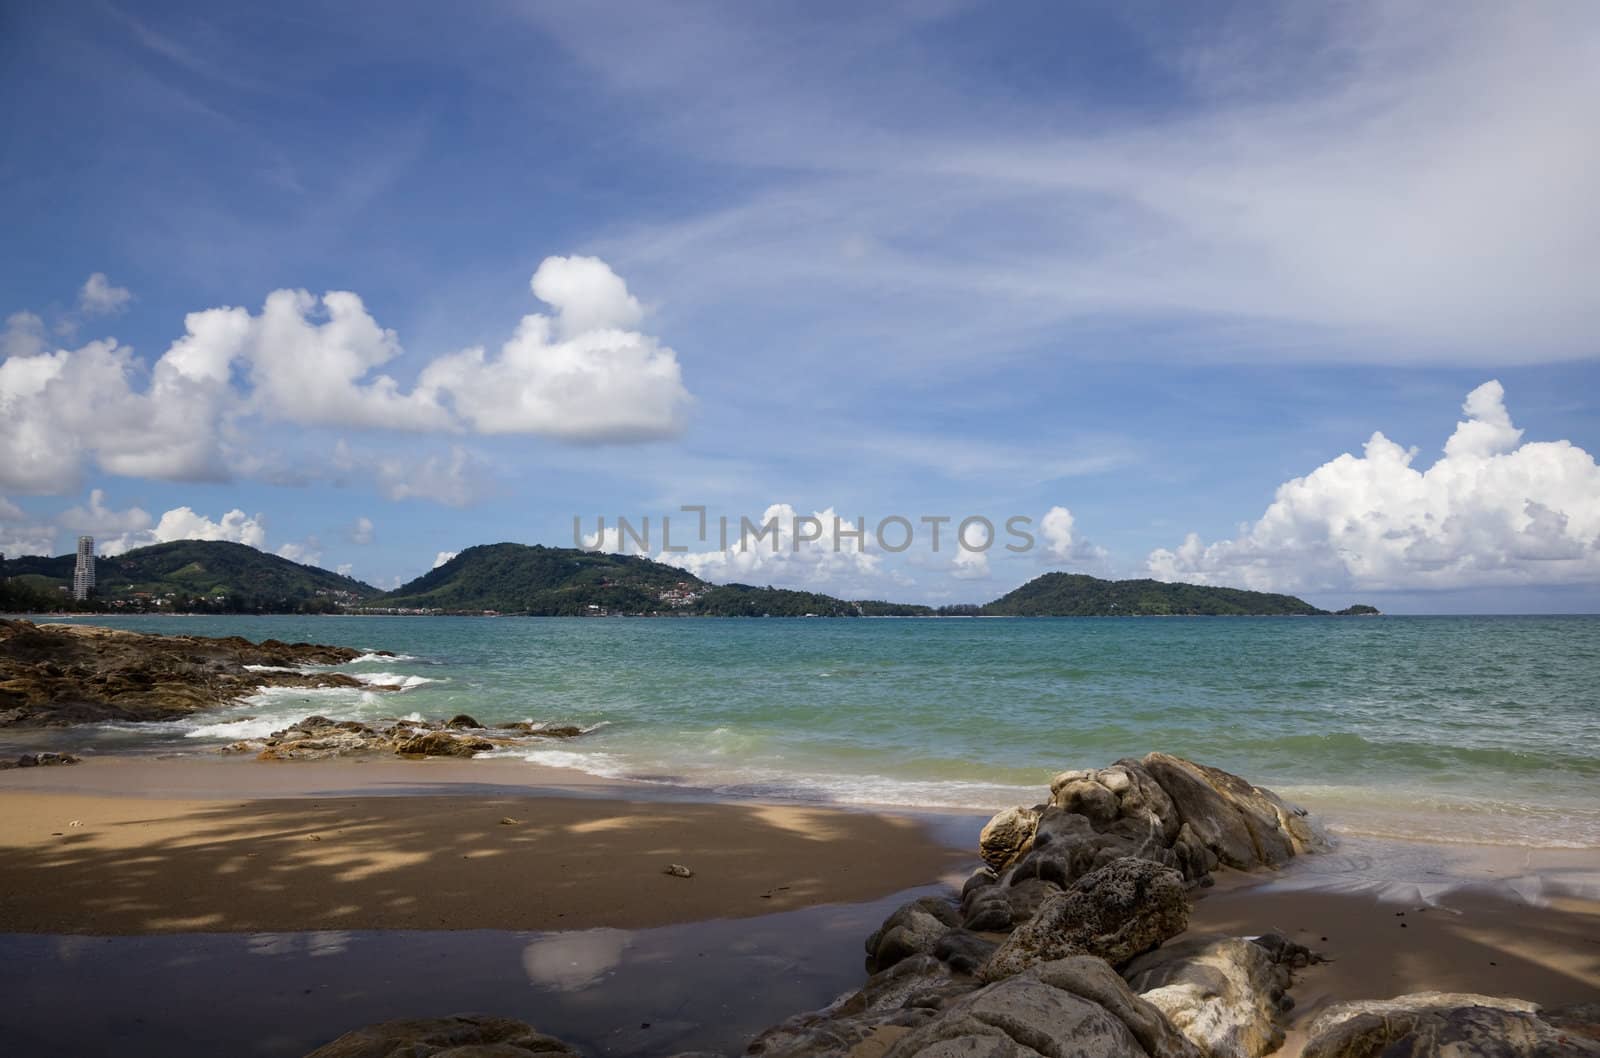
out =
column 91, row 863
column 421, row 845
column 1471, row 942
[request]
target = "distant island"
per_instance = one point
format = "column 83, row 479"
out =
column 208, row 576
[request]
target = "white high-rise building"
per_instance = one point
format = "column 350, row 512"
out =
column 83, row 575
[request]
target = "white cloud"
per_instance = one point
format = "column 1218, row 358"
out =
column 183, row 523
column 581, row 376
column 442, row 557
column 24, row 335
column 21, row 535
column 1489, row 512
column 99, row 297
column 1060, row 543
column 970, row 565
column 345, row 569
column 456, row 478
column 307, row 552
column 361, row 532
column 97, row 519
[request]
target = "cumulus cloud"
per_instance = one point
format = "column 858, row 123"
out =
column 442, row 557
column 361, row 532
column 1060, row 543
column 1490, row 512
column 970, row 565
column 58, row 408
column 580, row 375
column 184, row 523
column 99, row 297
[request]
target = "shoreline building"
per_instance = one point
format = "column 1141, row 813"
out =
column 83, row 574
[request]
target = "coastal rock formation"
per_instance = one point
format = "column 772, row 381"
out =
column 319, row 738
column 1073, row 1006
column 55, row 674
column 459, row 1036
column 1223, row 993
column 38, row 760
column 1114, row 912
column 1453, row 1025
column 1070, row 891
column 1161, row 808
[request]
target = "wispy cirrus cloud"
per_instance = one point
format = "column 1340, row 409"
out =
column 1387, row 186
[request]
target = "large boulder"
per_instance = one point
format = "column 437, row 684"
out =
column 1453, row 1025
column 912, row 929
column 1116, row 912
column 1007, row 837
column 1244, row 825
column 1162, row 808
column 442, row 744
column 1224, row 994
column 458, row 1036
column 1075, row 1007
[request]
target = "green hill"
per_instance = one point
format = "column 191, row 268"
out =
column 212, row 574
column 1077, row 595
column 563, row 582
column 548, row 581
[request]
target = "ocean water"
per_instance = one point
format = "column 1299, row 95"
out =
column 1463, row 729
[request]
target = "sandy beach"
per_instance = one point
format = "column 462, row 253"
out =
column 105, row 863
column 118, row 847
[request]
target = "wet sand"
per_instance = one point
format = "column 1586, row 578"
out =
column 1394, row 917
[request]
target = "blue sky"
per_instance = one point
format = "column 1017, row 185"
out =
column 925, row 259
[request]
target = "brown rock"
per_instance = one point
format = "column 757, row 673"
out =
column 1116, row 912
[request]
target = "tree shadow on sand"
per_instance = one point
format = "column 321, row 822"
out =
column 498, row 862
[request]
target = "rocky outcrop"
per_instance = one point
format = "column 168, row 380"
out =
column 1070, row 890
column 1186, row 816
column 1114, row 912
column 56, row 674
column 459, row 1036
column 319, row 738
column 38, row 760
column 1225, row 994
column 1077, row 1007
column 1453, row 1025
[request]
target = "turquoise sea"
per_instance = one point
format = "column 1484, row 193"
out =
column 1470, row 729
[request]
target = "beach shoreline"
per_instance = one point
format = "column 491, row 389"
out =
column 196, row 846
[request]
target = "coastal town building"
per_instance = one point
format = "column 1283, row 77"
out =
column 83, row 573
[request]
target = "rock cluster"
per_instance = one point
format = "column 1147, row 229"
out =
column 319, row 738
column 1073, row 891
column 38, row 760
column 57, row 674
